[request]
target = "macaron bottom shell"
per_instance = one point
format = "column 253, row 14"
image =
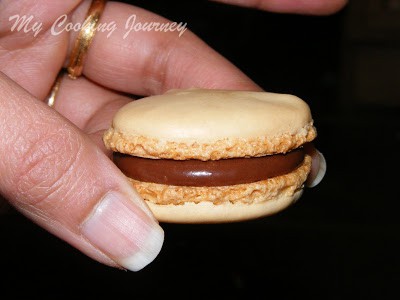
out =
column 185, row 204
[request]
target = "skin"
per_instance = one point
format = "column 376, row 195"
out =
column 309, row 7
column 56, row 148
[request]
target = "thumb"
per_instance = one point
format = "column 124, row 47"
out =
column 57, row 177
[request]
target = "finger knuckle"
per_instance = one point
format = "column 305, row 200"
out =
column 46, row 165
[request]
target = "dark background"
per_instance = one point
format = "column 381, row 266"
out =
column 340, row 241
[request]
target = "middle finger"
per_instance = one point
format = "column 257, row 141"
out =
column 145, row 62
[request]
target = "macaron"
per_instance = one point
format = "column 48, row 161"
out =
column 213, row 156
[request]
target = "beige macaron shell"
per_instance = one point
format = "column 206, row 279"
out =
column 206, row 116
column 207, row 212
column 214, row 123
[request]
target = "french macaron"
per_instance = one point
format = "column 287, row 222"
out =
column 214, row 156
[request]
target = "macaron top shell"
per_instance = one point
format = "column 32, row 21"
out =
column 211, row 124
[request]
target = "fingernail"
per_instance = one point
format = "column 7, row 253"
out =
column 122, row 230
column 318, row 169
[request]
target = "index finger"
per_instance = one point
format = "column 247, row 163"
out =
column 142, row 53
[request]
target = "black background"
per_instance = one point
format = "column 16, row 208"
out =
column 340, row 241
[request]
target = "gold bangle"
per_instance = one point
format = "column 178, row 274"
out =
column 51, row 98
column 84, row 39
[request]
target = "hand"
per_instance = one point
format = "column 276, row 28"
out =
column 56, row 170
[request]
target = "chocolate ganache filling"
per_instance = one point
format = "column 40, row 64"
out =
column 221, row 172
